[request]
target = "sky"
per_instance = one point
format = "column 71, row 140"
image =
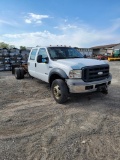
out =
column 76, row 23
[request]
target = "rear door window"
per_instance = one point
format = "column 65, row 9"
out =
column 33, row 54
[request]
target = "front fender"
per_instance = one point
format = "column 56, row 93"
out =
column 59, row 72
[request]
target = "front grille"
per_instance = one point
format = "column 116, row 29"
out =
column 92, row 73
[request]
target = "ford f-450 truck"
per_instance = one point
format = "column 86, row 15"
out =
column 66, row 71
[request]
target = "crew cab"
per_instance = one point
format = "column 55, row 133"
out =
column 66, row 71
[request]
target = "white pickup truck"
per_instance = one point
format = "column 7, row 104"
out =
column 65, row 69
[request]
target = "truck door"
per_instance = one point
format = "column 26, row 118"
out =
column 42, row 69
column 32, row 62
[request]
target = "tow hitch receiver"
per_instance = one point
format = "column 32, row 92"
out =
column 102, row 88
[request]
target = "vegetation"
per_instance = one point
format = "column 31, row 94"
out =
column 22, row 47
column 5, row 45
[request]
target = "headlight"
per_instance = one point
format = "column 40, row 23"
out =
column 75, row 74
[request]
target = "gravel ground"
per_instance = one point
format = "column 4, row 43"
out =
column 34, row 127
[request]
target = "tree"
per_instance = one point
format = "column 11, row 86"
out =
column 5, row 45
column 22, row 47
column 11, row 46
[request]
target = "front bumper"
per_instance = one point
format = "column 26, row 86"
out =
column 78, row 85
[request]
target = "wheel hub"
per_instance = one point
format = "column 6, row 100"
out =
column 57, row 92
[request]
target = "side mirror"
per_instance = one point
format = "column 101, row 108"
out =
column 39, row 59
column 46, row 60
column 42, row 60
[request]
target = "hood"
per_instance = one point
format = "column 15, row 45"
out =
column 78, row 63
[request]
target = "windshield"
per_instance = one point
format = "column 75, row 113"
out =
column 63, row 53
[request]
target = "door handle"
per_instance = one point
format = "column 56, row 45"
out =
column 35, row 65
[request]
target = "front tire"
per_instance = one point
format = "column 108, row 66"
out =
column 59, row 91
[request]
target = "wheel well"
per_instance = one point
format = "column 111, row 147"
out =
column 53, row 77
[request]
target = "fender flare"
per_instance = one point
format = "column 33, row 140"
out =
column 59, row 72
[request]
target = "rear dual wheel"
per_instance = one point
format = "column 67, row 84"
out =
column 59, row 91
column 19, row 73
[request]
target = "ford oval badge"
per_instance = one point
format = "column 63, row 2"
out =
column 100, row 73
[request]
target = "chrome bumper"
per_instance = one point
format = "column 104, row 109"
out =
column 78, row 85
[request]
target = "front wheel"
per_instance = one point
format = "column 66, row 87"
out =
column 59, row 91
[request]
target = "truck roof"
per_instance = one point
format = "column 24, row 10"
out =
column 50, row 46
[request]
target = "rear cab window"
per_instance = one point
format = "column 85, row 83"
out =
column 33, row 54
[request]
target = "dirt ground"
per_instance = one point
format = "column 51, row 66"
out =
column 34, row 127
